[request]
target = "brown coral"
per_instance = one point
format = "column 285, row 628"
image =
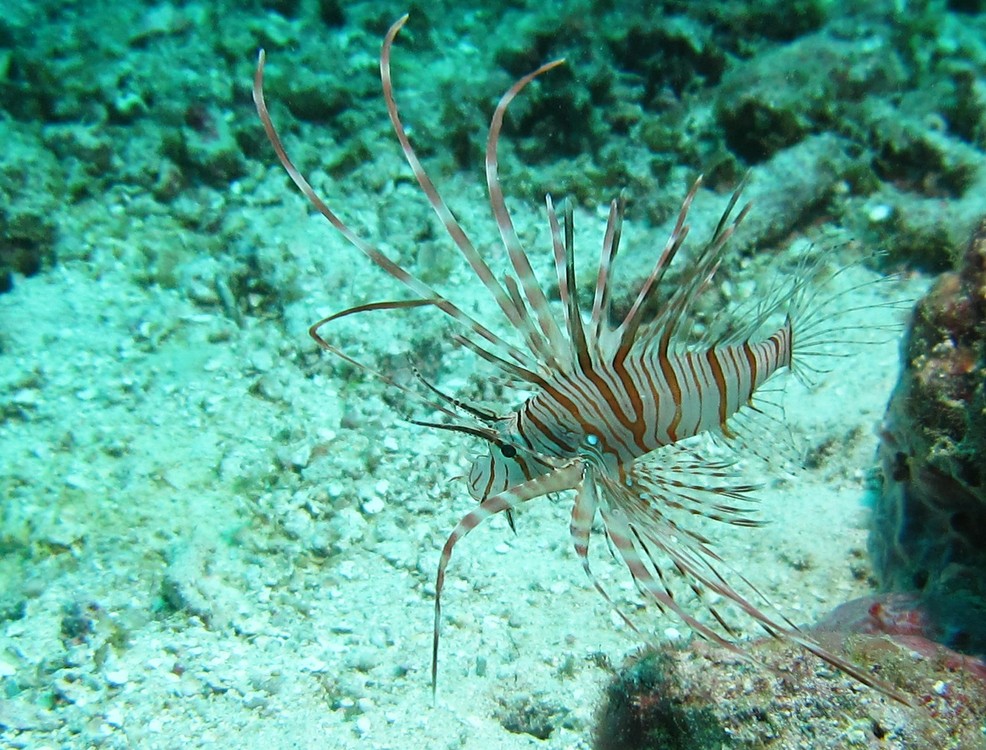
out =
column 930, row 518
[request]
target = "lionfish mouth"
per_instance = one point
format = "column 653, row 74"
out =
column 612, row 401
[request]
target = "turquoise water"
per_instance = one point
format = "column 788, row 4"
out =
column 215, row 535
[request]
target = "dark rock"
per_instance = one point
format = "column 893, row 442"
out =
column 929, row 522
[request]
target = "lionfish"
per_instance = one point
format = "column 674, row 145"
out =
column 610, row 404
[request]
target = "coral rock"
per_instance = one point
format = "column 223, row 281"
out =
column 929, row 521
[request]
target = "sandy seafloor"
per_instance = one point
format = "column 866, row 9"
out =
column 215, row 536
column 306, row 606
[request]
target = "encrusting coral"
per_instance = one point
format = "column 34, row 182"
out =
column 929, row 521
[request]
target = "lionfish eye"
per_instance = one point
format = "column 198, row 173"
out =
column 507, row 450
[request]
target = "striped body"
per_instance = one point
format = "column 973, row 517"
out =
column 610, row 402
column 613, row 417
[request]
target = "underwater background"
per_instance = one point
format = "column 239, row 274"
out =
column 214, row 535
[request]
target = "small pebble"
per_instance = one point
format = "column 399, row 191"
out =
column 261, row 360
column 362, row 660
column 117, row 677
column 254, row 700
column 313, row 664
column 27, row 397
column 880, row 213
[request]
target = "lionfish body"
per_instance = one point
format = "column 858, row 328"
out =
column 610, row 416
column 610, row 404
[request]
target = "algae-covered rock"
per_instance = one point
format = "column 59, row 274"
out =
column 645, row 709
column 929, row 522
column 781, row 697
column 30, row 184
column 207, row 146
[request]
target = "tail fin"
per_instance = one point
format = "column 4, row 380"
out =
column 836, row 313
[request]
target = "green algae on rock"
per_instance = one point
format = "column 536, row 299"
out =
column 930, row 516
